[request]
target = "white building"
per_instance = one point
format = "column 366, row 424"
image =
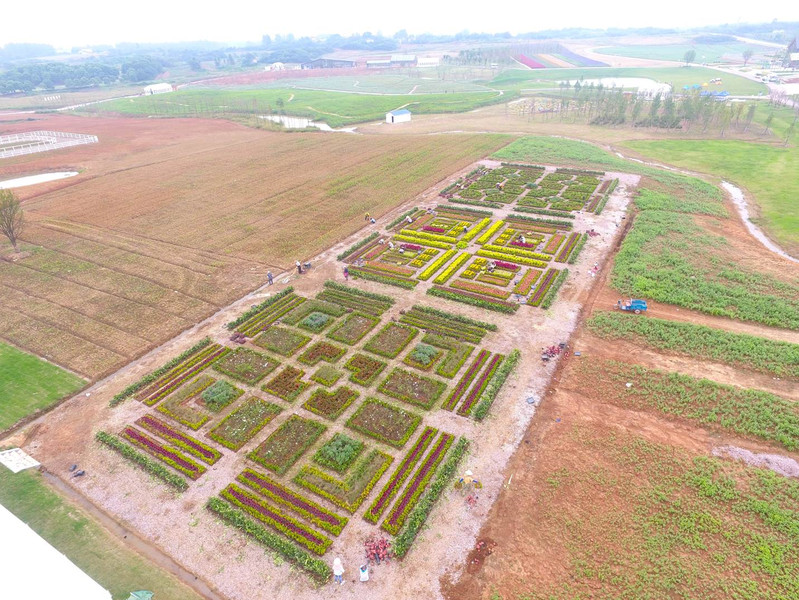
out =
column 398, row 116
column 158, row 88
column 32, row 568
column 428, row 61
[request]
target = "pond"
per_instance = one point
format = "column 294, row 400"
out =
column 291, row 122
column 34, row 179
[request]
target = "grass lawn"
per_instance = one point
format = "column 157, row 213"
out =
column 334, row 108
column 83, row 541
column 27, row 383
column 516, row 79
column 705, row 53
column 766, row 172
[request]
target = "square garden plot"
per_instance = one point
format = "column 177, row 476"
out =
column 365, row 369
column 246, row 365
column 240, row 426
column 339, row 453
column 178, row 405
column 288, row 384
column 287, row 443
column 315, row 322
column 281, row 340
column 327, row 375
column 353, row 328
column 330, row 405
column 423, row 356
column 321, row 351
column 384, row 422
column 219, row 395
column 391, row 340
column 413, row 389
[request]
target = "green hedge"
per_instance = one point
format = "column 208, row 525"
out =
column 471, row 211
column 259, row 307
column 318, row 569
column 415, row 521
column 498, row 306
column 358, row 245
column 402, row 217
column 453, row 317
column 357, row 273
column 148, row 379
column 334, row 285
column 552, row 292
column 539, row 221
column 577, row 249
column 145, row 462
column 484, row 203
column 496, row 383
column 544, row 211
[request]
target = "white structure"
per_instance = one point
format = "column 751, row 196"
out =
column 278, row 66
column 30, row 142
column 32, row 568
column 398, row 116
column 158, row 88
column 428, row 61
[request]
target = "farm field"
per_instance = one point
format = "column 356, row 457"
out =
column 337, row 109
column 27, row 383
column 351, row 417
column 727, row 52
column 106, row 276
column 382, row 84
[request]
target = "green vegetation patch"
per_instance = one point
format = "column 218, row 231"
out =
column 315, row 322
column 28, row 383
column 413, row 389
column 339, row 453
column 246, row 365
column 281, row 340
column 697, row 341
column 391, row 340
column 219, row 395
column 384, row 422
column 244, row 423
column 423, row 356
column 353, row 328
column 327, row 375
column 287, row 443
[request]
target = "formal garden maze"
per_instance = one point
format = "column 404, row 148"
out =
column 350, row 405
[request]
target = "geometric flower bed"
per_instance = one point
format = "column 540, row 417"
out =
column 181, row 373
column 523, row 287
column 354, row 328
column 240, row 426
column 315, row 322
column 413, row 389
column 339, row 453
column 246, row 365
column 267, row 313
column 384, row 422
column 394, row 484
column 171, row 457
column 287, row 443
column 321, row 351
column 278, row 520
column 564, row 253
column 466, row 380
column 176, row 406
column 466, row 406
column 287, row 384
column 353, row 298
column 330, row 405
column 281, row 340
column 457, row 353
column 448, row 324
column 543, row 286
column 326, row 375
column 279, row 494
column 185, row 442
column 365, row 369
column 347, row 493
column 423, row 357
column 417, row 485
column 391, row 340
column 305, row 309
column 219, row 395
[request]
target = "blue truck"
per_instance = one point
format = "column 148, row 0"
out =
column 632, row 305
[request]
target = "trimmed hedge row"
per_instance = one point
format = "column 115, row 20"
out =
column 148, row 379
column 472, row 211
column 334, row 285
column 543, row 211
column 142, row 460
column 316, row 568
column 358, row 245
column 577, row 249
column 466, row 298
column 526, row 219
column 475, row 203
column 552, row 293
column 453, row 317
column 401, row 218
column 359, row 273
column 496, row 383
column 414, row 522
column 258, row 308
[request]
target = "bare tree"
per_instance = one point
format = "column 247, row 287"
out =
column 12, row 220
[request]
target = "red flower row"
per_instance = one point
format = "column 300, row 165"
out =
column 185, row 442
column 542, row 288
column 434, row 229
column 171, row 457
column 421, row 478
column 413, row 247
column 506, row 265
column 274, row 491
column 554, row 243
column 567, row 249
column 522, row 244
column 400, row 475
column 178, row 381
column 466, row 380
column 478, row 388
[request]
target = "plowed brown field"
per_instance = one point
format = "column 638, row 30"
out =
column 169, row 220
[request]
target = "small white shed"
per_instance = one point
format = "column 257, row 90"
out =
column 158, row 88
column 398, row 116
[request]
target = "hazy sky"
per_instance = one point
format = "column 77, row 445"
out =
column 67, row 23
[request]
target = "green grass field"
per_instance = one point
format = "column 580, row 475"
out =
column 705, row 53
column 28, row 383
column 677, row 77
column 388, row 83
column 71, row 531
column 768, row 173
column 337, row 109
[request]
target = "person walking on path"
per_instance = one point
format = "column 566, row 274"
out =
column 338, row 571
column 346, row 273
column 299, row 266
column 269, row 277
column 367, row 217
column 364, row 572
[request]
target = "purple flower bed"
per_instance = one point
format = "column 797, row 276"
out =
column 400, row 475
column 579, row 60
column 506, row 265
column 542, row 288
column 171, row 386
column 185, row 442
column 171, row 457
column 522, row 244
column 412, row 247
column 481, row 384
column 434, row 229
column 529, row 62
column 466, row 380
column 563, row 255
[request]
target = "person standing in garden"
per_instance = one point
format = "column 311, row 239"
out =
column 364, row 573
column 299, row 266
column 346, row 273
column 269, row 277
column 338, row 571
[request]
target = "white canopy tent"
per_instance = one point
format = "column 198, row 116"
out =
column 32, row 568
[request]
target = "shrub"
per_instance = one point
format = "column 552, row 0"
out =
column 496, row 383
column 143, row 461
column 219, row 395
column 339, row 453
